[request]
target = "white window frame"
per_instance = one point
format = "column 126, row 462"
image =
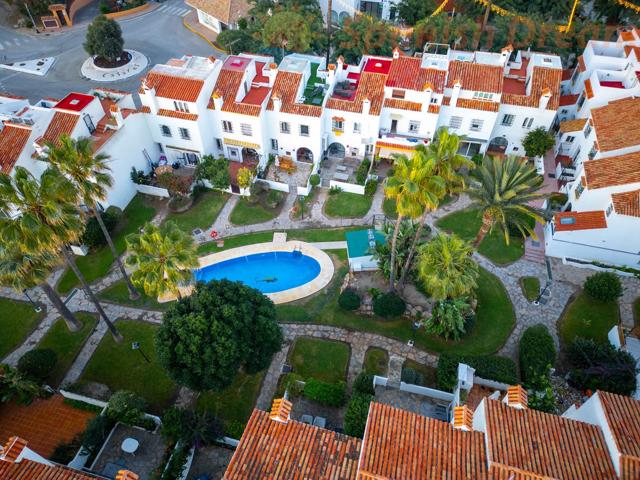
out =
column 357, row 127
column 302, row 133
column 181, row 106
column 508, row 119
column 526, row 124
column 219, row 144
column 246, row 130
column 227, row 126
column 274, row 144
column 476, row 125
column 414, row 126
column 166, row 131
column 184, row 133
column 285, row 127
column 337, row 125
column 455, row 122
column 486, row 96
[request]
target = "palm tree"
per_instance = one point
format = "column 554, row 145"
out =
column 46, row 221
column 403, row 188
column 504, row 192
column 22, row 271
column 446, row 267
column 164, row 256
column 91, row 176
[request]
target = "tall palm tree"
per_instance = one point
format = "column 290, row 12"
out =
column 504, row 192
column 21, row 271
column 164, row 256
column 91, row 176
column 446, row 267
column 46, row 220
column 405, row 190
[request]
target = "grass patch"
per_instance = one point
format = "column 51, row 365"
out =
column 121, row 368
column 235, row 403
column 202, row 214
column 347, row 205
column 66, row 344
column 245, row 213
column 17, row 320
column 389, row 208
column 376, row 361
column 97, row 264
column 428, row 373
column 323, row 360
column 530, row 287
column 466, row 224
column 589, row 318
column 119, row 293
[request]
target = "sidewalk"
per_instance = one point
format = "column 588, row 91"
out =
column 192, row 24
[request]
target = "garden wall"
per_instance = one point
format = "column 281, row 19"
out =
column 347, row 187
column 281, row 187
column 151, row 190
column 124, row 13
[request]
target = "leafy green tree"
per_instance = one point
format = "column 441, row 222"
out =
column 356, row 414
column 363, row 35
column 537, row 142
column 14, row 384
column 504, row 192
column 382, row 251
column 104, row 39
column 38, row 363
column 448, row 318
column 215, row 171
column 126, row 407
column 287, row 30
column 603, row 286
column 411, row 11
column 245, row 177
column 238, row 41
column 90, row 174
column 164, row 257
column 223, row 326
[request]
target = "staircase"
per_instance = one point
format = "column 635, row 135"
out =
column 534, row 249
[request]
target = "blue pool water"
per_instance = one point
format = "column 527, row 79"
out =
column 268, row 272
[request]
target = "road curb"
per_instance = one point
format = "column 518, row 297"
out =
column 193, row 30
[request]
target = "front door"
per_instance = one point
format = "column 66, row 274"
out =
column 394, row 126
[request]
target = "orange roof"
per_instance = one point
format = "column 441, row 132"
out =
column 612, row 171
column 405, row 72
column 30, row 470
column 473, row 104
column 531, row 442
column 173, row 87
column 617, row 124
column 571, row 221
column 402, row 104
column 588, row 89
column 627, row 203
column 623, row 417
column 581, row 65
column 171, row 113
column 542, row 78
column 576, row 125
column 227, row 85
column 627, row 36
column 371, row 86
column 476, row 76
column 566, row 100
column 403, row 445
column 13, row 139
column 567, row 73
column 278, row 450
column 632, row 48
column 62, row 123
column 285, row 87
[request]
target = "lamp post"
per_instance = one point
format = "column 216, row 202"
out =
column 301, row 199
column 36, row 307
column 136, row 346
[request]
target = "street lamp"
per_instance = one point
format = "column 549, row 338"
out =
column 36, row 307
column 301, row 199
column 136, row 346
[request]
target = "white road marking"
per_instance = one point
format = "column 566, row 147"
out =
column 185, row 13
column 163, row 8
column 169, row 11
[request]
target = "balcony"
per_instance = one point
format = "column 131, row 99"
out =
column 401, row 139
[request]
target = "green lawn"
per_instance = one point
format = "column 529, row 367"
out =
column 119, row 293
column 245, row 213
column 121, row 368
column 347, row 205
column 389, row 208
column 323, row 360
column 17, row 320
column 589, row 318
column 495, row 319
column 235, row 403
column 466, row 223
column 202, row 214
column 428, row 373
column 376, row 361
column 97, row 263
column 530, row 287
column 66, row 344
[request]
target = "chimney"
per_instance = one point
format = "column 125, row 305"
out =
column 462, row 418
column 217, row 100
column 505, row 53
column 545, row 96
column 277, row 103
column 396, row 53
column 340, row 68
column 116, row 114
column 366, row 106
column 516, row 397
column 455, row 93
column 280, row 410
column 428, row 92
column 126, row 475
column 273, row 71
column 13, row 449
column 331, row 73
column 151, row 96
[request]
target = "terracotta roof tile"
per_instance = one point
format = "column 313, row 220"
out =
column 30, row 470
column 227, row 11
column 405, row 72
column 566, row 100
column 537, row 443
column 285, row 87
column 470, row 103
column 276, row 450
column 617, row 124
column 632, row 48
column 627, row 36
column 629, row 468
column 588, row 88
column 371, row 86
column 403, row 445
column 13, row 448
column 402, row 104
column 62, row 123
column 612, row 171
column 567, row 73
column 13, row 139
column 542, row 78
column 627, row 203
column 476, row 76
column 173, row 87
column 576, row 125
column 572, row 221
column 623, row 417
column 227, row 85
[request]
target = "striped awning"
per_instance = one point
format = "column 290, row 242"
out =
column 240, row 143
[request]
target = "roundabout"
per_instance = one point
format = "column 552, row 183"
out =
column 97, row 71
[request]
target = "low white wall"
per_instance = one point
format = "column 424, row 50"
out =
column 82, row 398
column 427, row 392
column 347, row 187
column 382, row 381
column 232, row 442
column 614, row 337
column 281, row 187
column 187, row 465
column 151, row 190
column 360, row 264
column 304, row 191
column 490, row 383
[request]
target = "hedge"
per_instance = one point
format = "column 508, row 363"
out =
column 331, row 394
column 355, row 417
column 537, row 354
column 490, row 367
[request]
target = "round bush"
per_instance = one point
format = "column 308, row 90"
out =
column 126, row 407
column 537, row 354
column 388, row 305
column 93, row 236
column 37, row 364
column 603, row 286
column 363, row 384
column 349, row 299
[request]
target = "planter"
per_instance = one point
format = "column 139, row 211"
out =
column 180, row 204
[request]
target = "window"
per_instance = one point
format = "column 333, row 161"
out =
column 476, row 125
column 181, row 106
column 528, row 121
column 482, row 96
column 166, row 131
column 581, row 101
column 569, row 139
column 455, row 122
column 414, row 126
column 609, row 209
column 515, row 149
column 356, row 127
column 274, row 144
column 337, row 124
column 218, row 144
column 245, row 129
column 564, row 110
column 304, row 130
column 587, row 131
column 184, row 134
column 284, row 127
column 227, row 126
column 434, row 100
column 579, row 190
column 507, row 120
column 397, row 93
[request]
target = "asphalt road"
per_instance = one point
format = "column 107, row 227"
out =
column 159, row 34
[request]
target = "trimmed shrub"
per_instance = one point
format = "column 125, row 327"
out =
column 363, row 171
column 537, row 354
column 294, row 384
column 126, row 407
column 364, row 384
column 355, row 417
column 96, row 432
column 603, row 286
column 491, row 367
column 370, row 188
column 314, row 180
column 273, row 199
column 349, row 299
column 93, row 236
column 331, row 394
column 37, row 364
column 388, row 305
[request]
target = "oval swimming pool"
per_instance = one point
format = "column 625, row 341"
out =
column 268, row 272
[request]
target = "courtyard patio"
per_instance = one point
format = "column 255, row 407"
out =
column 413, row 402
column 211, row 462
column 285, row 170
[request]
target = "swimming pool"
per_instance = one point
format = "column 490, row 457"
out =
column 268, row 272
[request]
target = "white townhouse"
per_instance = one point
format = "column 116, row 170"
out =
column 341, row 10
column 219, row 15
